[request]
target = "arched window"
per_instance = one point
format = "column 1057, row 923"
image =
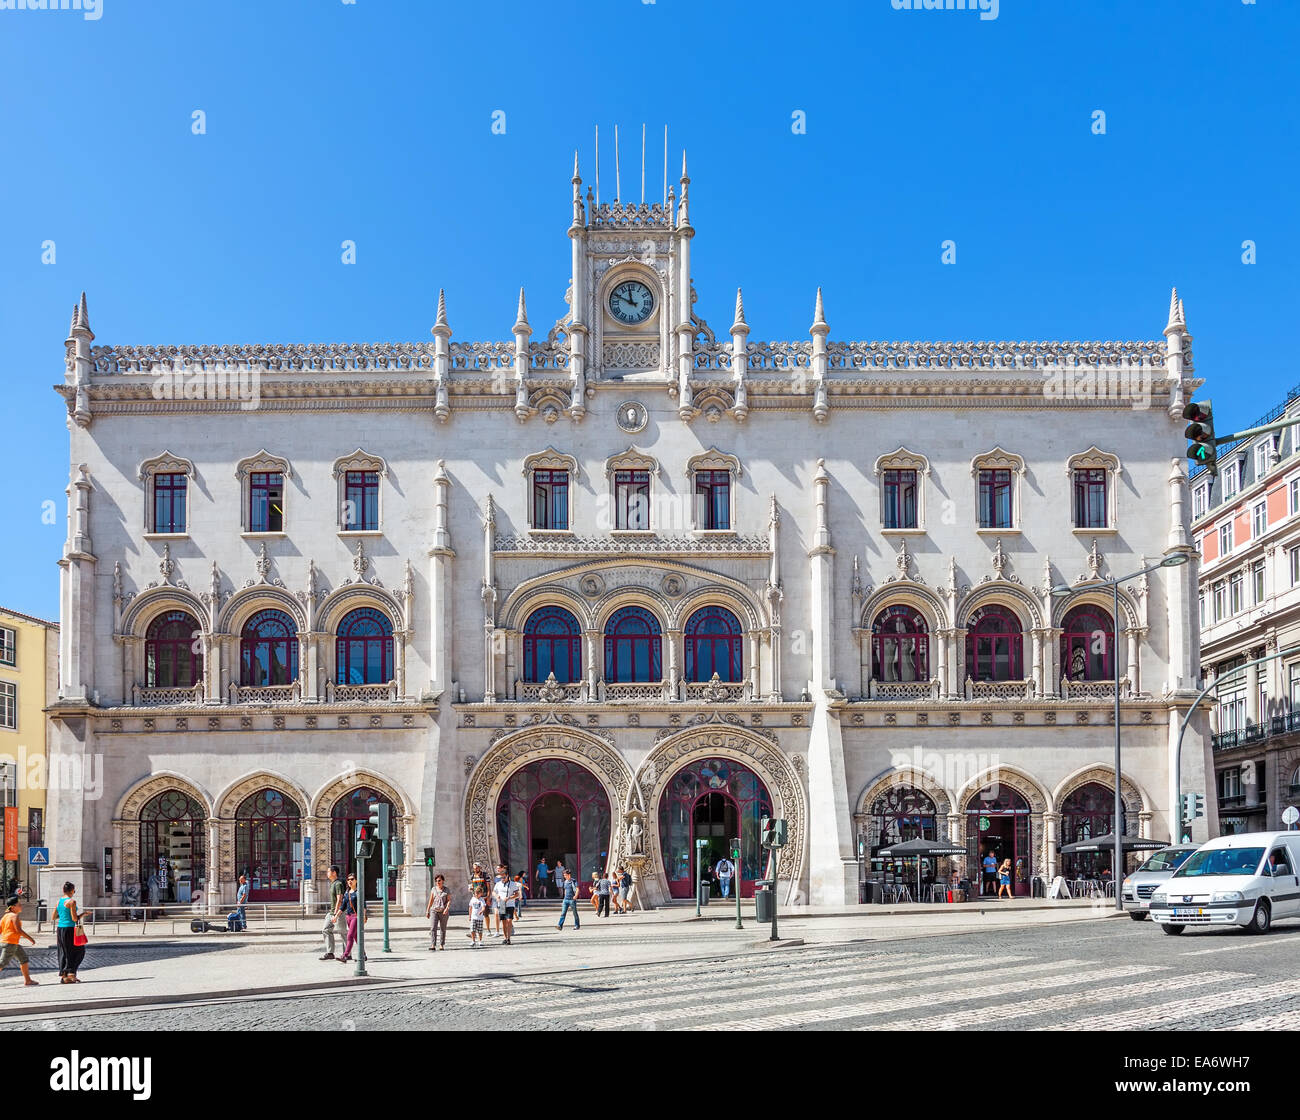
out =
column 994, row 644
column 633, row 647
column 268, row 846
column 552, row 644
column 173, row 845
column 901, row 813
column 1087, row 644
column 712, row 638
column 268, row 650
column 1087, row 813
column 172, row 652
column 364, row 648
column 352, row 807
column 900, row 645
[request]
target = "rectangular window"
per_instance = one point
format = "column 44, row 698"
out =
column 1231, row 476
column 1259, row 520
column 8, row 646
column 169, row 503
column 1090, row 498
column 1257, row 580
column 900, row 500
column 1261, row 459
column 631, row 499
column 361, row 500
column 550, row 499
column 713, row 499
column 1220, row 601
column 1293, row 685
column 1230, row 783
column 1293, row 495
column 266, row 502
column 1200, row 500
column 36, row 828
column 1225, row 538
column 1202, row 606
column 1293, row 562
column 1234, row 593
column 995, row 499
column 8, row 705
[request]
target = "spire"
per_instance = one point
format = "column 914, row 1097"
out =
column 819, row 315
column 740, row 326
column 521, row 320
column 81, row 318
column 1176, row 320
column 577, row 178
column 72, row 326
column 685, row 178
column 441, row 327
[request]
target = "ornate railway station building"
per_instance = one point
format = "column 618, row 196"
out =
column 614, row 586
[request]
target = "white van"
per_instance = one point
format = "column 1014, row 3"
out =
column 1249, row 880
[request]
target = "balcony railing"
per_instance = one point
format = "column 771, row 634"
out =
column 999, row 690
column 266, row 694
column 1240, row 736
column 1094, row 690
column 903, row 690
column 149, row 697
column 716, row 690
column 550, row 691
column 651, row 690
column 361, row 693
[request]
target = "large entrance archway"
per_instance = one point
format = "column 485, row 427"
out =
column 998, row 824
column 173, row 846
column 556, row 810
column 709, row 802
column 348, row 809
column 268, row 846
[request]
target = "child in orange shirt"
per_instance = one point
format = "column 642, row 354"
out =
column 11, row 934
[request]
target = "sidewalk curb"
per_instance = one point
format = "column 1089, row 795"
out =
column 113, row 1002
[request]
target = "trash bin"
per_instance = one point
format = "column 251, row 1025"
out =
column 763, row 905
column 42, row 911
column 703, row 892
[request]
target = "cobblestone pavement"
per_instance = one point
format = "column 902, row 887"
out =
column 1111, row 975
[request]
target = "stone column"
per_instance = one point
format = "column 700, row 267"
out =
column 1052, row 661
column 673, row 676
column 1052, row 823
column 212, row 888
column 312, row 685
column 1252, row 691
column 755, row 645
column 941, row 643
column 591, row 637
column 1036, row 635
column 957, row 688
column 309, row 831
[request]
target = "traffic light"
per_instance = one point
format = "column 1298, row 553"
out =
column 1198, row 806
column 366, row 839
column 396, row 853
column 379, row 817
column 1200, row 434
column 735, row 847
column 428, row 858
column 773, row 832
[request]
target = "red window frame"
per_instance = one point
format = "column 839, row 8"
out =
column 361, row 499
column 900, row 637
column 552, row 644
column 994, row 636
column 550, row 499
column 712, row 639
column 995, row 498
column 266, row 502
column 170, row 657
column 270, row 642
column 631, row 499
column 267, row 826
column 169, row 498
column 900, row 499
column 1081, row 628
column 713, row 499
column 364, row 644
column 1090, row 498
column 633, row 647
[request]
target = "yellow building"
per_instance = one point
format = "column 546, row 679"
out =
column 29, row 681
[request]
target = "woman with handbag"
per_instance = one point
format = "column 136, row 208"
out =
column 70, row 936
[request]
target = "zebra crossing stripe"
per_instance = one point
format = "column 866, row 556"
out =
column 1154, row 1017
column 903, row 1003
column 715, row 990
column 1286, row 1021
column 894, row 979
column 980, row 1016
column 524, row 993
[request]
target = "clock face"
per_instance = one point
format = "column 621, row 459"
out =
column 631, row 302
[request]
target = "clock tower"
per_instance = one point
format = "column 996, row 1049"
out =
column 631, row 284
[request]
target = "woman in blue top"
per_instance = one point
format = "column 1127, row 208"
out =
column 70, row 954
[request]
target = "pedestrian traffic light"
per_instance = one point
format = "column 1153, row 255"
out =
column 366, row 838
column 773, row 832
column 1200, row 434
column 379, row 817
column 735, row 847
column 396, row 853
column 1198, row 806
column 429, row 858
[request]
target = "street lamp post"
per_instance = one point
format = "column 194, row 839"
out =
column 1061, row 591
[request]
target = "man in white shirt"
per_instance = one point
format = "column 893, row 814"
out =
column 724, row 870
column 506, row 893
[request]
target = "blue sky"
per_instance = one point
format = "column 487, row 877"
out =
column 372, row 121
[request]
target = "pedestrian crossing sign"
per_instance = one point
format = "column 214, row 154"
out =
column 38, row 857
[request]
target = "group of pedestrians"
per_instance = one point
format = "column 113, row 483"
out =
column 341, row 918
column 69, row 937
column 611, row 889
column 496, row 901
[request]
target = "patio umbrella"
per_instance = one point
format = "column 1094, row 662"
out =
column 1107, row 844
column 922, row 849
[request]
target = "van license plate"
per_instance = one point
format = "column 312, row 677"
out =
column 1188, row 912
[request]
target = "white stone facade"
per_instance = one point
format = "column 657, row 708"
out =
column 804, row 431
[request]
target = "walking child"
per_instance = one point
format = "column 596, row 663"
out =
column 477, row 908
